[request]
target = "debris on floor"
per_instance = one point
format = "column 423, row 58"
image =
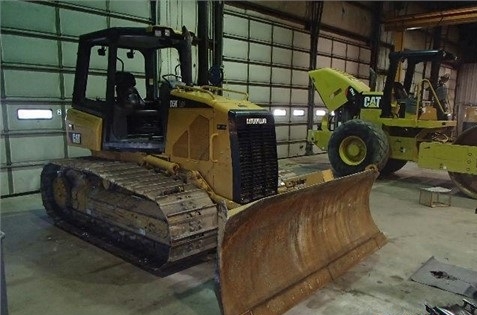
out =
column 447, row 277
column 435, row 197
column 468, row 308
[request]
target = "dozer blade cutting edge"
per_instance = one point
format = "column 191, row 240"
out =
column 275, row 252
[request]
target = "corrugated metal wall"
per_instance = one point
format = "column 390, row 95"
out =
column 466, row 94
column 38, row 56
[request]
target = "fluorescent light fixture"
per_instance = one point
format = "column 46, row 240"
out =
column 34, row 114
column 320, row 112
column 279, row 112
column 298, row 112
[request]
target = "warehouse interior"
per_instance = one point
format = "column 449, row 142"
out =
column 243, row 75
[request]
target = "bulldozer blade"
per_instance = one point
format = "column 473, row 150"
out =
column 275, row 252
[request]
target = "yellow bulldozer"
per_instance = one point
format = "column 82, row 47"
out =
column 392, row 127
column 179, row 170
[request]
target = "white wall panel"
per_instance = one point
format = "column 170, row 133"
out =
column 3, row 154
column 69, row 50
column 318, row 100
column 15, row 124
column 39, row 148
column 301, row 59
column 235, row 71
column 282, row 151
column 301, row 40
column 29, row 50
column 353, row 52
column 323, row 62
column 299, row 97
column 68, row 79
column 298, row 132
column 28, row 16
column 4, row 190
column 325, row 45
column 352, row 67
column 260, row 53
column 300, row 78
column 236, row 49
column 76, row 152
column 339, row 49
column 365, row 55
column 339, row 64
column 364, row 70
column 281, row 76
column 40, row 84
column 26, row 179
column 75, row 23
column 137, row 8
column 280, row 96
column 260, row 31
column 259, row 94
column 101, row 5
column 114, row 22
column 2, row 109
column 234, row 25
column 282, row 36
column 259, row 74
column 297, row 149
column 282, row 132
column 282, row 56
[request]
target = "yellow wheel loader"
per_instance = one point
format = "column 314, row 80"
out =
column 178, row 170
column 392, row 127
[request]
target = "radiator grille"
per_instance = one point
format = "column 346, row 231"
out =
column 256, row 175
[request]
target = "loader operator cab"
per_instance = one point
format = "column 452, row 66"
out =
column 117, row 79
column 401, row 91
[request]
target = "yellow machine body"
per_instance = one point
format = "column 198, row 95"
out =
column 414, row 134
column 84, row 130
column 182, row 170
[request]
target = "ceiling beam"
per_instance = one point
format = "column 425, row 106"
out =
column 431, row 19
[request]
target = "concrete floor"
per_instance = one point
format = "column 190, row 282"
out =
column 49, row 271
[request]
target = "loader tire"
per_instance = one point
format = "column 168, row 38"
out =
column 392, row 165
column 356, row 144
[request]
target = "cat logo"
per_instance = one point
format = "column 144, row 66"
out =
column 256, row 121
column 372, row 101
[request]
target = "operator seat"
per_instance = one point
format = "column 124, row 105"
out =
column 127, row 95
column 399, row 91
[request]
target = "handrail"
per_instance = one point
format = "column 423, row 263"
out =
column 194, row 88
column 216, row 88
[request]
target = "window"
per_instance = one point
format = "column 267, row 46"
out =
column 24, row 114
column 298, row 112
column 279, row 112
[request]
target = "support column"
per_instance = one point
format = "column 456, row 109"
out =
column 315, row 9
column 202, row 33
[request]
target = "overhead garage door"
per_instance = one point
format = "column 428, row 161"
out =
column 38, row 57
column 270, row 61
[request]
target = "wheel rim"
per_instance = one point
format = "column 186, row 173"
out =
column 352, row 150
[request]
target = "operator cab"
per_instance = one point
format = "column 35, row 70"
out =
column 117, row 79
